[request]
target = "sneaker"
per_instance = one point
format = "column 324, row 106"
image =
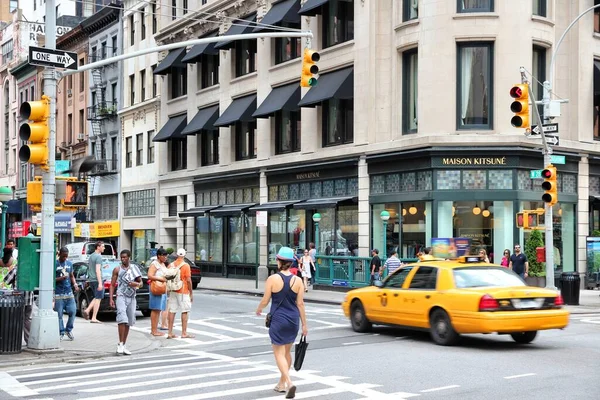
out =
column 70, row 336
column 120, row 347
column 62, row 336
column 126, row 351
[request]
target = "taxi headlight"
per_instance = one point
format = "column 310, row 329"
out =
column 345, row 298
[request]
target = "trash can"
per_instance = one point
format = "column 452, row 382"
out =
column 12, row 306
column 569, row 287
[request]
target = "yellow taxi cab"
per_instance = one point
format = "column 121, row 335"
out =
column 453, row 297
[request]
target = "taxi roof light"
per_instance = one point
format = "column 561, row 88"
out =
column 488, row 303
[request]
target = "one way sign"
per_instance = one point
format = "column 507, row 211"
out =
column 52, row 58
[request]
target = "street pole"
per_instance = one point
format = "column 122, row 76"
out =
column 3, row 230
column 548, row 150
column 44, row 325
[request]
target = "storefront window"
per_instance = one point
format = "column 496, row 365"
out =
column 202, row 237
column 392, row 231
column 215, row 250
column 327, row 232
column 277, row 234
column 296, row 230
column 141, row 245
column 563, row 216
column 347, row 230
column 415, row 228
column 249, row 239
column 241, row 239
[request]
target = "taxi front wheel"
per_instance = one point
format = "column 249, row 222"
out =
column 358, row 317
column 442, row 331
column 524, row 337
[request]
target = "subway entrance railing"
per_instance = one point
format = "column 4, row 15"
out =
column 343, row 271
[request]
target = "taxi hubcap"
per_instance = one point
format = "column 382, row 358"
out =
column 357, row 316
column 441, row 327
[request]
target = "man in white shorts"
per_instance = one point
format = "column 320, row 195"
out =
column 181, row 300
column 130, row 279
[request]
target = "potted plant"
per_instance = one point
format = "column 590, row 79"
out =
column 170, row 250
column 537, row 270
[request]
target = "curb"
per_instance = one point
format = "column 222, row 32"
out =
column 256, row 294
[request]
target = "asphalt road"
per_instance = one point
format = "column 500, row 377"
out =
column 230, row 358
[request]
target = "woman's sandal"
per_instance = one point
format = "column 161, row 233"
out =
column 279, row 389
column 291, row 392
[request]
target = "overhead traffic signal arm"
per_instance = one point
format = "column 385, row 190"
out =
column 36, row 132
column 520, row 106
column 549, row 185
column 309, row 68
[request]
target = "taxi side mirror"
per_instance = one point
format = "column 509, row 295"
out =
column 379, row 284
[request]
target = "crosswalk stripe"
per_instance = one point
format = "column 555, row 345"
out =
column 62, row 366
column 99, row 374
column 13, row 387
column 233, row 392
column 226, row 328
column 306, row 395
column 174, row 379
column 95, row 368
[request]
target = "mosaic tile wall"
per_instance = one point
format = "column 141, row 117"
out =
column 314, row 190
column 223, row 197
column 448, row 180
column 594, row 185
column 401, row 182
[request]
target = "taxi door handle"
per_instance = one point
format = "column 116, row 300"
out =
column 395, row 294
column 428, row 296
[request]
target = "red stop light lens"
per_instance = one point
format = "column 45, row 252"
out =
column 546, row 173
column 516, row 92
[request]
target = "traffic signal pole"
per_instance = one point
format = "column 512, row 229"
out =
column 44, row 325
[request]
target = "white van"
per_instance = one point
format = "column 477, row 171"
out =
column 81, row 251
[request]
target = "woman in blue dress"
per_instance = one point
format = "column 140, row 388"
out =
column 286, row 293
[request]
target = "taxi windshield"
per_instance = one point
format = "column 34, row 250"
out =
column 470, row 277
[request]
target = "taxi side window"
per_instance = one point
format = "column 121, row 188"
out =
column 425, row 278
column 397, row 280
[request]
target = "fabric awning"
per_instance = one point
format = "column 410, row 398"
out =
column 197, row 211
column 172, row 60
column 281, row 98
column 240, row 109
column 240, row 27
column 203, row 121
column 172, row 129
column 231, row 210
column 322, row 203
column 313, row 7
column 280, row 12
column 14, row 207
column 198, row 50
column 333, row 85
column 275, row 206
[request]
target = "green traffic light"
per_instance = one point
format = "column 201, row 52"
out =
column 312, row 82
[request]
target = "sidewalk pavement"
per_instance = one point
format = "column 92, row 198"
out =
column 589, row 300
column 91, row 341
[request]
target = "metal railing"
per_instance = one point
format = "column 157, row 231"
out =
column 351, row 272
column 105, row 109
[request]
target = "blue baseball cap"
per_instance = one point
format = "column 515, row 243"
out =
column 285, row 254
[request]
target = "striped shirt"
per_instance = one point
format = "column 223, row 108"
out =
column 11, row 279
column 392, row 264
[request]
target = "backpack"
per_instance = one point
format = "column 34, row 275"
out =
column 173, row 276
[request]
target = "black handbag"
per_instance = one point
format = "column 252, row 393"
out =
column 300, row 352
column 268, row 320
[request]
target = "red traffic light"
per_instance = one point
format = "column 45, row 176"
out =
column 516, row 92
column 546, row 174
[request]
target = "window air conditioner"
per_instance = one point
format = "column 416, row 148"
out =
column 80, row 136
column 69, row 92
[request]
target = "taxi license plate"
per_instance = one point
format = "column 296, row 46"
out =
column 525, row 303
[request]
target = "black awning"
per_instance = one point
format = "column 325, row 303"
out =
column 172, row 60
column 240, row 109
column 14, row 207
column 283, row 11
column 231, row 210
column 198, row 50
column 333, row 85
column 596, row 83
column 197, row 211
column 281, row 98
column 323, row 203
column 275, row 206
column 172, row 129
column 313, row 7
column 203, row 121
column 239, row 27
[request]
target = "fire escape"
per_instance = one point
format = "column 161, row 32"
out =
column 99, row 114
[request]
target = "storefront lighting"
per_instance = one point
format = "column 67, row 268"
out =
column 453, row 210
column 560, row 212
column 403, row 212
column 486, row 213
column 476, row 210
column 316, row 217
column 412, row 210
column 385, row 215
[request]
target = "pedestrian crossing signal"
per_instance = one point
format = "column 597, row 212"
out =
column 76, row 194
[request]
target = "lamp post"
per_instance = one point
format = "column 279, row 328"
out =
column 385, row 216
column 316, row 219
column 6, row 194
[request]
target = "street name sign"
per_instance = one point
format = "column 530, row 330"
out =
column 557, row 159
column 547, row 128
column 535, row 174
column 52, row 58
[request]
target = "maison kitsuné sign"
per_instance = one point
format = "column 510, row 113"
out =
column 474, row 161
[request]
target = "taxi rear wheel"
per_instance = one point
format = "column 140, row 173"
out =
column 524, row 337
column 442, row 331
column 358, row 317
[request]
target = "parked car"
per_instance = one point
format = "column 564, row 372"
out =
column 592, row 280
column 196, row 272
column 85, row 296
column 81, row 251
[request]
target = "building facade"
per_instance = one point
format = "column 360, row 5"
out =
column 238, row 134
column 140, row 119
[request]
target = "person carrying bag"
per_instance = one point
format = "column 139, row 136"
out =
column 158, row 290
